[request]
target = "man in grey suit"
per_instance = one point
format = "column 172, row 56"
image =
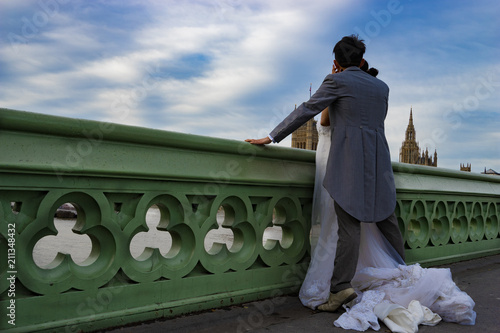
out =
column 359, row 174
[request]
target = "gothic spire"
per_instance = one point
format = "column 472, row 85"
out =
column 410, row 130
column 410, row 151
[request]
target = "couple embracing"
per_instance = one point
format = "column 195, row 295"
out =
column 354, row 202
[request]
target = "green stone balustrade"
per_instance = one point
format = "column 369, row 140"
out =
column 446, row 215
column 114, row 174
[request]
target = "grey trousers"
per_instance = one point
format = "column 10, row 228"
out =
column 346, row 257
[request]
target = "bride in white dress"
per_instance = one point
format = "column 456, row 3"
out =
column 401, row 296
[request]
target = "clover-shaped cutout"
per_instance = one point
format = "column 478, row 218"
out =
column 491, row 223
column 284, row 231
column 49, row 251
column 477, row 223
column 277, row 232
column 229, row 236
column 216, row 239
column 161, row 242
column 157, row 237
column 440, row 224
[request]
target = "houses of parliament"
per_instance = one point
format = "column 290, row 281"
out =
column 306, row 137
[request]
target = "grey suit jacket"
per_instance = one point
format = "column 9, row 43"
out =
column 359, row 174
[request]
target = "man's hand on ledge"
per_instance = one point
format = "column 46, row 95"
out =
column 263, row 141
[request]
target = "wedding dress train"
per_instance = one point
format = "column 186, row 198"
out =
column 401, row 296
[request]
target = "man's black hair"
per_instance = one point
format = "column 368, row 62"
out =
column 349, row 51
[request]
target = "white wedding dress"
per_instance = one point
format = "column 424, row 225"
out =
column 401, row 296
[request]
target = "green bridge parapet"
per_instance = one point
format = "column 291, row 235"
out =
column 201, row 188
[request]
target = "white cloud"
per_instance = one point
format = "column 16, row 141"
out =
column 257, row 59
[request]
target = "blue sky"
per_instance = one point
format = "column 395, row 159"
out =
column 233, row 69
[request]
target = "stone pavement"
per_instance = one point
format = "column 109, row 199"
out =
column 480, row 278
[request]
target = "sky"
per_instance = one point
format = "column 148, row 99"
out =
column 235, row 68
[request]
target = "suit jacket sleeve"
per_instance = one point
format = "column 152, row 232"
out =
column 327, row 93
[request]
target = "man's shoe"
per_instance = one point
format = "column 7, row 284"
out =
column 337, row 299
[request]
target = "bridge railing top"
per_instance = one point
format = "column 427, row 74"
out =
column 23, row 121
column 29, row 122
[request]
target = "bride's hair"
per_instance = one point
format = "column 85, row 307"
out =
column 372, row 71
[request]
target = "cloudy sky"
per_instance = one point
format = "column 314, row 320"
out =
column 234, row 68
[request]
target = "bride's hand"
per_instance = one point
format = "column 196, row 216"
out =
column 263, row 141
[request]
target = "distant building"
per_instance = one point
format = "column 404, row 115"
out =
column 464, row 167
column 490, row 172
column 306, row 136
column 410, row 151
